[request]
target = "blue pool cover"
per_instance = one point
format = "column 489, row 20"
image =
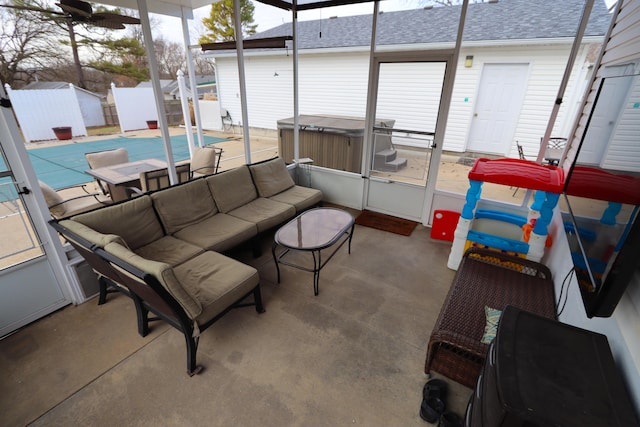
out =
column 65, row 165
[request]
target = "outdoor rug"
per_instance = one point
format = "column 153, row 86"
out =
column 384, row 222
column 64, row 165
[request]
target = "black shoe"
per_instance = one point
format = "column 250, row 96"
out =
column 431, row 409
column 434, row 394
column 435, row 388
column 449, row 419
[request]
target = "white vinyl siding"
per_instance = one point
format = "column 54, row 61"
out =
column 622, row 49
column 325, row 88
column 547, row 65
column 336, row 84
column 622, row 331
column 623, row 151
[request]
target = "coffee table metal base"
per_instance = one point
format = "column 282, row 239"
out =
column 336, row 241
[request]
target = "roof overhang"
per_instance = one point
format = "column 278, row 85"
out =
column 180, row 8
column 309, row 4
column 411, row 47
column 176, row 8
column 262, row 43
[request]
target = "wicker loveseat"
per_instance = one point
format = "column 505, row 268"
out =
column 484, row 278
column 163, row 248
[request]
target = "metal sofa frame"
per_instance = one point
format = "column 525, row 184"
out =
column 148, row 295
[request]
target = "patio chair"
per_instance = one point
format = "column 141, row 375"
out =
column 205, row 161
column 99, row 159
column 68, row 201
column 554, row 150
column 159, row 178
column 227, row 121
column 521, row 156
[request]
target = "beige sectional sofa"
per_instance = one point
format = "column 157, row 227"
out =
column 163, row 248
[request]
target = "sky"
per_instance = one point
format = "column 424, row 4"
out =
column 268, row 16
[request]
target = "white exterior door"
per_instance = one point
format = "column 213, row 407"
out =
column 497, row 109
column 32, row 277
column 405, row 130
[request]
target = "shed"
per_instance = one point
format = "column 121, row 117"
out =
column 37, row 107
column 508, row 42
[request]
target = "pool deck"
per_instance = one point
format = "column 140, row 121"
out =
column 62, row 164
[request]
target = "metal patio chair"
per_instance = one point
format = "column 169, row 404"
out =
column 67, row 201
column 205, row 161
column 99, row 159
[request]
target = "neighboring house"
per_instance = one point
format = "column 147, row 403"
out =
column 39, row 108
column 509, row 42
column 205, row 84
column 164, row 84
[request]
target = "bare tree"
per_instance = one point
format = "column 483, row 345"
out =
column 203, row 66
column 38, row 36
column 28, row 45
column 170, row 56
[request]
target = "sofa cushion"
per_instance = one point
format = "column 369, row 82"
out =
column 135, row 221
column 232, row 189
column 164, row 273
column 169, row 250
column 184, row 205
column 300, row 197
column 90, row 234
column 216, row 282
column 271, row 177
column 218, row 233
column 264, row 213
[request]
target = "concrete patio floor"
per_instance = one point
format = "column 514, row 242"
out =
column 353, row 355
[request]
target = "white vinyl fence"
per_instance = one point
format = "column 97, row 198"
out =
column 39, row 111
column 135, row 106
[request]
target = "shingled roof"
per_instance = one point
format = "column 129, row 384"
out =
column 501, row 20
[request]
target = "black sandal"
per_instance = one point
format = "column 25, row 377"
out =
column 435, row 388
column 449, row 419
column 434, row 395
column 431, row 409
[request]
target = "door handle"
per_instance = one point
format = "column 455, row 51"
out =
column 382, row 180
column 24, row 191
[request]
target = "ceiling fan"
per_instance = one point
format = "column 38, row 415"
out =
column 82, row 12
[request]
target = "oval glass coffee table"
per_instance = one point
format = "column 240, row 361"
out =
column 313, row 231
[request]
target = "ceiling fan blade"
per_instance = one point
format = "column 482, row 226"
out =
column 106, row 23
column 76, row 8
column 123, row 19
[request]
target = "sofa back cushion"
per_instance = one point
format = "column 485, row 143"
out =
column 184, row 205
column 271, row 177
column 232, row 189
column 163, row 273
column 135, row 221
column 89, row 234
